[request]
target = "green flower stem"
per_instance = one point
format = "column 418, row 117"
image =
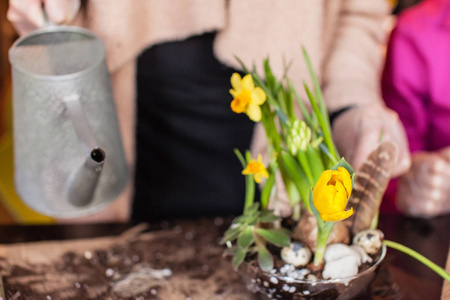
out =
column 374, row 223
column 249, row 184
column 444, row 274
column 323, row 233
column 301, row 156
column 249, row 192
column 296, row 212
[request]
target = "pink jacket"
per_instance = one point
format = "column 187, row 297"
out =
column 416, row 75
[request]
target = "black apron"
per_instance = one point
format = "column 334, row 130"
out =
column 186, row 133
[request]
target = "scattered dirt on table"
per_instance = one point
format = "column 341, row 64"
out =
column 183, row 261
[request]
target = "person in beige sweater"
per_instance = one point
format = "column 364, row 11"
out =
column 344, row 39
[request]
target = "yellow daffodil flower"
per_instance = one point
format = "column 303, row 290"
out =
column 247, row 97
column 331, row 193
column 256, row 167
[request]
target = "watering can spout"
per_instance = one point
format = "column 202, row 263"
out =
column 83, row 182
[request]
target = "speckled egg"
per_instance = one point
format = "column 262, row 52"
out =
column 370, row 240
column 297, row 254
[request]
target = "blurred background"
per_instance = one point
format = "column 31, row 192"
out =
column 12, row 209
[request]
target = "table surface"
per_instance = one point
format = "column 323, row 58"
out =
column 412, row 280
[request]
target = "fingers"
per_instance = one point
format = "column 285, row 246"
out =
column 61, row 11
column 27, row 15
column 359, row 132
column 423, row 191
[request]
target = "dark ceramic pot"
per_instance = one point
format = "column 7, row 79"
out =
column 275, row 286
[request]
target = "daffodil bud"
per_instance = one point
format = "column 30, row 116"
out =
column 330, row 195
column 299, row 137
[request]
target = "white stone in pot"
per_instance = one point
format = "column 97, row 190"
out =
column 297, row 254
column 343, row 261
column 370, row 240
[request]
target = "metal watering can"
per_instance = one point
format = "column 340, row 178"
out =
column 68, row 154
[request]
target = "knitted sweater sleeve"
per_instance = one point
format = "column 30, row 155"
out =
column 352, row 65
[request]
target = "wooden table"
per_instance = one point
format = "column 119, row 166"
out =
column 400, row 277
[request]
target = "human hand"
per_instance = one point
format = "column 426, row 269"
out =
column 423, row 191
column 27, row 15
column 357, row 132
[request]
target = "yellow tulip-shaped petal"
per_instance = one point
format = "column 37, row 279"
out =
column 331, row 193
column 342, row 215
column 347, row 180
column 321, row 184
column 324, row 200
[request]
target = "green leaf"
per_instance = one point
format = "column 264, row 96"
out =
column 325, row 130
column 270, row 79
column 231, row 234
column 268, row 216
column 315, row 162
column 297, row 176
column 344, row 164
column 246, row 238
column 320, row 222
column 290, row 105
column 253, row 210
column 324, row 149
column 305, row 164
column 277, row 237
column 242, row 64
column 265, row 259
column 240, row 157
column 317, row 90
column 240, row 220
column 306, row 115
column 282, row 101
column 238, row 257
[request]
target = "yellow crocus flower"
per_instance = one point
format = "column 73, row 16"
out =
column 256, row 167
column 331, row 193
column 247, row 97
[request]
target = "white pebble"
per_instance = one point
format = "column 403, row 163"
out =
column 274, row 280
column 109, row 272
column 88, row 255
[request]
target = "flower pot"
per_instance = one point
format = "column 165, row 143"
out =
column 276, row 286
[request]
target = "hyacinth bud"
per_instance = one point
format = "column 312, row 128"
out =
column 299, row 137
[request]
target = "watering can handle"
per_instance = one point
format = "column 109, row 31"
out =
column 47, row 22
column 79, row 121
